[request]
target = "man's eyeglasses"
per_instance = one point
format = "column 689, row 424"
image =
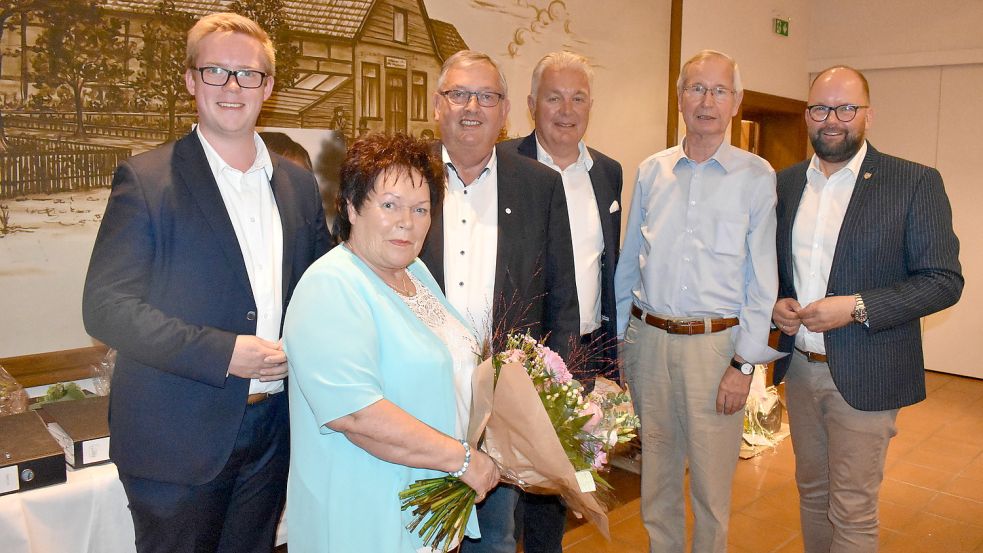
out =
column 460, row 97
column 698, row 91
column 219, row 76
column 845, row 112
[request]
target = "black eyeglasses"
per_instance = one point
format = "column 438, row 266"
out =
column 460, row 97
column 845, row 112
column 219, row 76
column 698, row 91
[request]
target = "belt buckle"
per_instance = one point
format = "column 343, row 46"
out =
column 680, row 327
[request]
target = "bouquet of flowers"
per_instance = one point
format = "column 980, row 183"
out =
column 540, row 428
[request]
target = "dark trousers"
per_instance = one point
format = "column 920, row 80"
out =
column 543, row 518
column 236, row 512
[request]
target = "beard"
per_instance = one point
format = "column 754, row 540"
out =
column 837, row 152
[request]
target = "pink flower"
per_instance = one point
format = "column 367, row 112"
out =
column 595, row 413
column 555, row 365
column 513, row 356
column 600, row 459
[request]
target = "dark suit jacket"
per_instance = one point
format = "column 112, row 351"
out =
column 607, row 181
column 897, row 249
column 535, row 288
column 167, row 287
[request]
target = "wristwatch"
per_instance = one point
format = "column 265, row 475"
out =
column 859, row 310
column 745, row 367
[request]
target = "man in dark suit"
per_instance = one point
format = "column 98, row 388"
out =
column 865, row 249
column 200, row 248
column 560, row 103
column 500, row 246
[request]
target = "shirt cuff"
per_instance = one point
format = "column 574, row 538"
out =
column 753, row 351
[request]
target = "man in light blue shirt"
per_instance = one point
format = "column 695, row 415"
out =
column 695, row 285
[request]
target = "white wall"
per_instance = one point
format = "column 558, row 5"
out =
column 924, row 63
column 769, row 62
column 895, row 33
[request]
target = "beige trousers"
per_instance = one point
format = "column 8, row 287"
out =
column 674, row 381
column 839, row 460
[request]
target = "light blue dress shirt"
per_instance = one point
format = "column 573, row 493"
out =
column 351, row 341
column 700, row 242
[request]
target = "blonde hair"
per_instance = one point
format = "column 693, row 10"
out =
column 229, row 23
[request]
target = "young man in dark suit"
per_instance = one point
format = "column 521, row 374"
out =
column 500, row 246
column 865, row 249
column 560, row 102
column 200, row 248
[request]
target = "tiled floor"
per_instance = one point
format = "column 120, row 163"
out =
column 931, row 499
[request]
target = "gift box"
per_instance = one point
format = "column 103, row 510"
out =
column 81, row 427
column 29, row 457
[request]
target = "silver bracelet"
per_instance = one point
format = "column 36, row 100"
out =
column 467, row 460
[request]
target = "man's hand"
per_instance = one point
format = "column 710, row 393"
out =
column 732, row 394
column 828, row 313
column 254, row 357
column 785, row 315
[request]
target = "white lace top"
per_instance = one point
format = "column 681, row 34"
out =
column 460, row 342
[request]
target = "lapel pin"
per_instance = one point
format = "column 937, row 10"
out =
column 867, row 175
column 508, row 210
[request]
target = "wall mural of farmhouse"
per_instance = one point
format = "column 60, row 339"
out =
column 85, row 84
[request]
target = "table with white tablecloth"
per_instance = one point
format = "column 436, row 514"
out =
column 86, row 514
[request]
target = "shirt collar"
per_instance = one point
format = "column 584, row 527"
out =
column 446, row 158
column 218, row 165
column 853, row 165
column 724, row 157
column 583, row 157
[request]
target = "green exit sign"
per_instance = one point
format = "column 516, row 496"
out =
column 781, row 27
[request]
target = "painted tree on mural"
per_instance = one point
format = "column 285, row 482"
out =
column 79, row 47
column 9, row 9
column 270, row 15
column 161, row 76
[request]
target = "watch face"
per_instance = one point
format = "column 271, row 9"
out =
column 747, row 368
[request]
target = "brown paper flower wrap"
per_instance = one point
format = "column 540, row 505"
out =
column 518, row 434
column 531, row 417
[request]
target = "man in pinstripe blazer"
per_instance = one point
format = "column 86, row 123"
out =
column 865, row 249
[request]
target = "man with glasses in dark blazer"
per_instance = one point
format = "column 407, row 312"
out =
column 865, row 249
column 197, row 256
column 500, row 245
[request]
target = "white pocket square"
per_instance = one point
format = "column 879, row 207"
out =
column 614, row 207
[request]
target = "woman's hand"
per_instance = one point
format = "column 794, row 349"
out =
column 482, row 474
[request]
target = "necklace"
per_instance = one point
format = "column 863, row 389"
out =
column 403, row 290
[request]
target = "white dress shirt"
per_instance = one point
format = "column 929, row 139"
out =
column 814, row 235
column 471, row 243
column 252, row 208
column 700, row 242
column 585, row 232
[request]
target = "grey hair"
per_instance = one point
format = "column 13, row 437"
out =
column 706, row 54
column 558, row 61
column 465, row 58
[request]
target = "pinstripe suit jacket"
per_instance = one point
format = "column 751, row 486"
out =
column 897, row 249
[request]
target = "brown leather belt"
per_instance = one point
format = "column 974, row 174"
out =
column 683, row 327
column 812, row 356
column 253, row 399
